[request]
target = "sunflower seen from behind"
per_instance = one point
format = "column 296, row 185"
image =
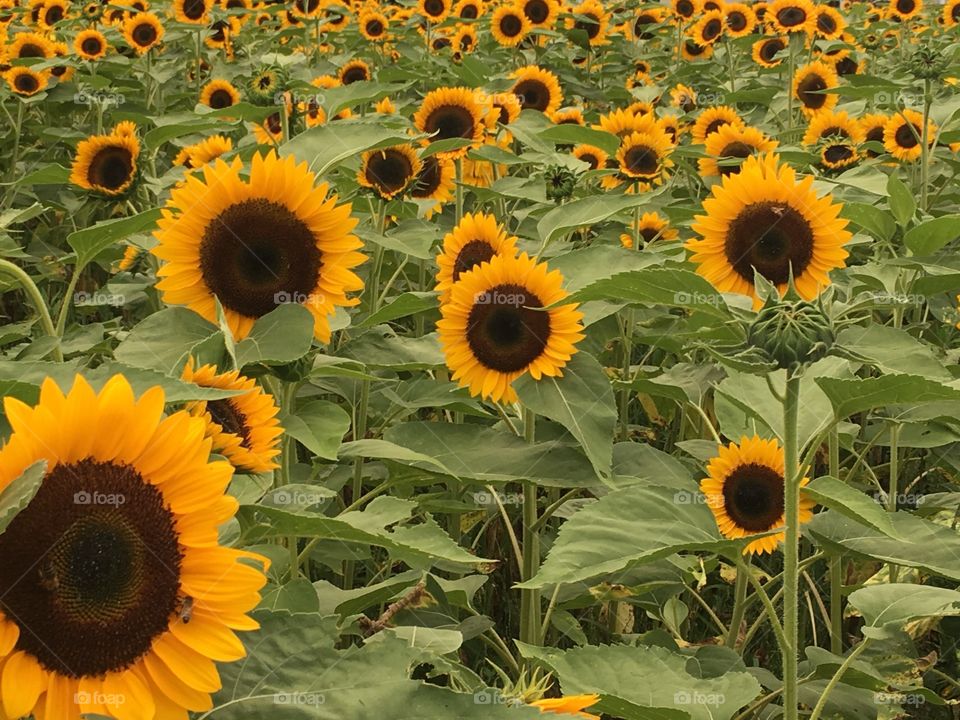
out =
column 118, row 596
column 495, row 328
column 745, row 491
column 763, row 219
column 477, row 238
column 257, row 243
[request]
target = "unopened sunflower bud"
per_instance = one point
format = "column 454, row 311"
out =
column 926, row 63
column 792, row 334
column 560, row 183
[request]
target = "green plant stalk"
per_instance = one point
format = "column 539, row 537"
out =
column 67, row 302
column 359, row 431
column 791, row 547
column 731, row 64
column 530, row 598
column 15, row 154
column 836, row 561
column 925, row 147
column 36, row 299
column 739, row 605
column 837, row 676
column 893, row 488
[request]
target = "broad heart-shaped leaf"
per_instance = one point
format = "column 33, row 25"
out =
column 91, row 241
column 892, row 351
column 920, row 543
column 634, row 525
column 18, row 494
column 320, row 425
column 585, row 211
column 931, row 235
column 380, row 524
column 164, row 340
column 581, row 401
column 283, row 335
column 380, row 347
column 672, row 287
column 891, row 606
column 292, row 672
column 871, row 218
column 486, row 455
column 632, row 681
column 326, row 146
column 902, row 203
column 853, row 396
column 840, row 497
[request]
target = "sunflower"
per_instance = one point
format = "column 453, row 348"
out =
column 763, row 219
column 116, row 553
column 672, row 126
column 591, row 155
column 745, row 491
column 622, row 122
column 221, row 31
column 832, row 124
column 740, row 19
column 92, row 11
column 951, row 13
column 336, row 15
column 509, row 26
column 307, row 8
column 568, row 116
column 199, row 154
column 389, row 171
column 219, row 94
column 465, row 39
column 26, row 82
column 448, row 113
column 537, row 89
column 29, row 45
column 373, row 25
column 354, row 71
column 106, row 164
column 541, row 13
column 142, row 31
column 839, row 154
column 642, row 26
column 651, row 226
column 732, row 143
column 469, row 9
column 765, row 51
column 708, row 29
column 256, row 244
column 243, row 428
column 692, row 51
column 644, row 157
column 125, row 128
column 590, row 17
column 568, row 705
column 195, row 12
column 476, row 239
column 872, row 126
column 434, row 11
column 502, row 320
column 683, row 98
column 809, row 83
column 134, row 260
column 435, row 182
column 903, row 10
column 90, row 44
column 829, row 22
column 52, row 12
column 903, row 132
column 270, row 131
column 685, row 9
column 790, row 16
column 712, row 119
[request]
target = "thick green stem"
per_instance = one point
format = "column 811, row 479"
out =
column 893, row 487
column 530, row 598
column 36, row 299
column 791, row 547
column 739, row 605
column 359, row 432
column 836, row 561
column 837, row 677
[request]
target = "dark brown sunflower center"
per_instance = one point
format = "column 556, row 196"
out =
column 906, row 6
column 144, row 34
column 389, row 171
column 809, row 90
column 791, row 16
column 434, row 8
column 505, row 331
column 826, row 24
column 219, row 31
column 308, row 6
column 374, row 27
column 53, row 15
column 225, row 414
column 537, row 11
column 769, row 49
column 220, row 99
column 846, row 66
column 753, row 497
column 639, row 26
column 712, row 29
column 592, row 160
column 834, row 131
column 257, row 254
column 471, row 255
column 714, row 126
column 590, row 25
column 510, row 25
column 450, row 121
column 30, row 50
column 357, row 73
column 641, row 160
column 735, row 149
column 836, row 154
column 955, row 13
column 91, row 46
column 694, row 49
column 649, row 233
column 194, row 9
column 469, row 12
column 90, row 569
column 874, row 134
column 736, row 20
column 26, row 83
column 771, row 237
column 264, row 82
column 685, row 8
column 111, row 168
column 428, row 181
column 533, row 94
column 906, row 136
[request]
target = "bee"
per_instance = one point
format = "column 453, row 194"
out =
column 48, row 576
column 186, row 610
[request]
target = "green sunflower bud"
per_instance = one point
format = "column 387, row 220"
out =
column 792, row 334
column 927, row 63
column 560, row 183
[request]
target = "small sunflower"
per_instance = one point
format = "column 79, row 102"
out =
column 389, row 171
column 509, row 26
column 255, row 244
column 590, row 17
column 477, row 238
column 307, row 8
column 685, row 9
column 692, row 51
column 568, row 116
column 26, row 82
column 374, row 25
column 708, row 29
column 502, row 320
column 219, row 94
column 729, row 146
column 447, row 113
column 116, row 586
column 903, row 132
column 712, row 119
column 243, row 428
column 651, row 226
column 645, row 157
column 134, row 260
column 91, row 44
column 435, row 182
column 270, row 131
column 871, row 127
column 745, row 491
column 809, row 84
column 92, row 11
column 465, row 39
column 469, row 9
column 762, row 219
column 568, row 705
column 221, row 31
column 765, row 51
column 591, row 155
column 672, row 126
column 839, row 154
column 904, row 10
column 829, row 22
column 537, row 89
column 623, row 121
column 52, row 12
column 199, row 154
column 683, row 98
column 106, row 164
column 142, row 31
column 541, row 13
column 195, row 12
column 645, row 23
column 832, row 124
column 739, row 19
column 789, row 16
column 336, row 15
column 434, row 11
column 354, row 71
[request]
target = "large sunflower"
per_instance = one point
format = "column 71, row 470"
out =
column 195, row 12
column 219, row 94
column 763, row 219
column 729, row 146
column 903, row 132
column 476, row 239
column 117, row 596
column 712, row 119
column 90, row 44
column 495, row 328
column 509, row 26
column 537, row 89
column 243, row 428
column 142, row 31
column 745, row 491
column 25, row 82
column 256, row 244
column 106, row 163
column 448, row 113
column 389, row 171
column 809, row 84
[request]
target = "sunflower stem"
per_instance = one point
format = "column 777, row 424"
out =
column 530, row 598
column 67, row 301
column 893, row 487
column 791, row 546
column 359, row 432
column 836, row 561
column 925, row 147
column 15, row 153
column 837, row 676
column 458, row 166
column 792, row 62
column 739, row 604
column 39, row 304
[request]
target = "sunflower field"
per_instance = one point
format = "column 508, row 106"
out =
column 479, row 360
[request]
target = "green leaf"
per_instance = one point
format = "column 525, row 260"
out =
column 892, row 351
column 569, row 134
column 891, row 606
column 51, row 174
column 853, row 396
column 409, row 303
column 18, row 494
column 326, row 146
column 386, row 450
column 158, row 136
column 902, row 203
column 581, row 401
column 931, row 236
column 320, row 425
column 874, row 220
column 164, row 340
column 281, row 336
column 585, row 211
column 91, row 241
column 628, row 527
column 379, row 347
column 658, row 286
column 837, row 495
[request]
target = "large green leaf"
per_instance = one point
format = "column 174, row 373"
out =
column 320, row 425
column 405, row 305
column 931, row 236
column 892, row 351
column 164, row 340
column 837, row 495
column 891, row 606
column 91, row 241
column 853, row 396
column 585, row 212
column 326, row 146
column 581, row 401
column 281, row 336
